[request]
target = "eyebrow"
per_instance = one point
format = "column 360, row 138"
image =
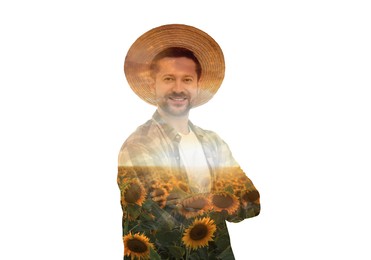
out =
column 173, row 75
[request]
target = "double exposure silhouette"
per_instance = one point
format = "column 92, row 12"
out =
column 179, row 183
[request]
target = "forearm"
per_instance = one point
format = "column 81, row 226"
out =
column 234, row 195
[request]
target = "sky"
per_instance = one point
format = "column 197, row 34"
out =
column 294, row 108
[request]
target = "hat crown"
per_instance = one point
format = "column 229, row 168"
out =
column 148, row 45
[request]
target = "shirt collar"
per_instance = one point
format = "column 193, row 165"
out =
column 170, row 131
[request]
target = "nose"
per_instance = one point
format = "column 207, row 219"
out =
column 178, row 86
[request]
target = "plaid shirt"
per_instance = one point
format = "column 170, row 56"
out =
column 156, row 144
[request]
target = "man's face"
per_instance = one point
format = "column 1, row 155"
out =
column 175, row 85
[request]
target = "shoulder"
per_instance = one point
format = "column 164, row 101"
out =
column 210, row 139
column 205, row 133
column 140, row 147
column 143, row 135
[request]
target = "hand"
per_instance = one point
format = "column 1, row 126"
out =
column 159, row 195
column 175, row 197
column 195, row 203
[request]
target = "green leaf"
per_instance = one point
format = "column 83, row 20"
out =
column 218, row 217
column 222, row 241
column 147, row 204
column 134, row 211
column 202, row 252
column 168, row 237
column 154, row 255
column 227, row 254
column 176, row 251
column 146, row 216
column 229, row 189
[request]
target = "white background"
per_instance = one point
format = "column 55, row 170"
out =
column 294, row 108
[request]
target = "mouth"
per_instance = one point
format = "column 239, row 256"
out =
column 178, row 99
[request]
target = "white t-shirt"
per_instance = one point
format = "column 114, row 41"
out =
column 195, row 163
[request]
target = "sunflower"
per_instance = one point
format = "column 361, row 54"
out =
column 126, row 172
column 133, row 193
column 224, row 201
column 199, row 233
column 137, row 246
column 237, row 186
column 195, row 206
column 154, row 183
column 167, row 186
column 124, row 175
column 219, row 184
column 250, row 196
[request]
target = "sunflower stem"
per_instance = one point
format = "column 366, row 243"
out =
column 188, row 252
column 181, row 228
column 126, row 225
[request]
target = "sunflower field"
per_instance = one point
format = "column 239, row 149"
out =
column 164, row 219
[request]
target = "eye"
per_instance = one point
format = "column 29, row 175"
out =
column 188, row 80
column 168, row 79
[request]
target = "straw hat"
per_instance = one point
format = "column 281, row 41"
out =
column 145, row 48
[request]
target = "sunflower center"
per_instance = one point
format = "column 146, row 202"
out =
column 133, row 193
column 159, row 192
column 222, row 201
column 135, row 245
column 197, row 204
column 251, row 196
column 198, row 232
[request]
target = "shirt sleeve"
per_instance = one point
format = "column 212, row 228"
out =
column 233, row 191
column 134, row 152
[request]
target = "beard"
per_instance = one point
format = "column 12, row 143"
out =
column 175, row 104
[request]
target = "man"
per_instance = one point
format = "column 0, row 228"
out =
column 179, row 183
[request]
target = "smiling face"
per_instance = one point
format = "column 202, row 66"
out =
column 175, row 85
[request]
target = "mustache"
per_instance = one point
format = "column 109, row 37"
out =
column 177, row 95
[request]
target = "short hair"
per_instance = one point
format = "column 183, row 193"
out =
column 175, row 52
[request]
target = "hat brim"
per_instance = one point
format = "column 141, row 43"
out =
column 147, row 46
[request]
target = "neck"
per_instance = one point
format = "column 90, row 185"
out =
column 179, row 123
